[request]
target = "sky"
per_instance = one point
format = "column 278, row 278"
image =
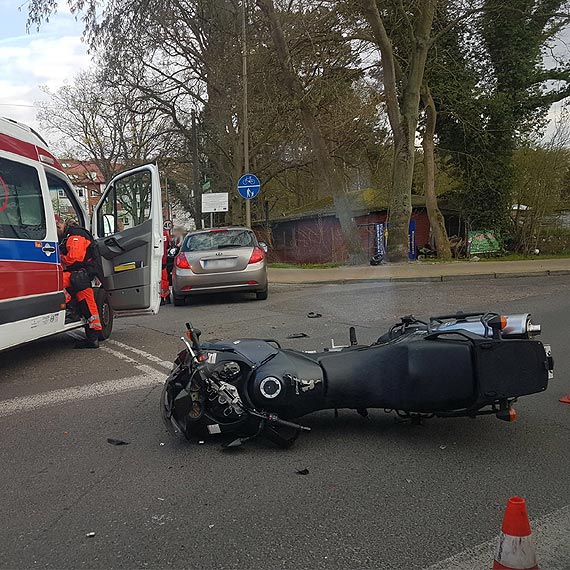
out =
column 50, row 57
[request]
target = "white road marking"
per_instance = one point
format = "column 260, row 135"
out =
column 551, row 535
column 147, row 355
column 150, row 377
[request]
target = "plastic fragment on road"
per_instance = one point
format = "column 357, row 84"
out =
column 116, row 441
column 90, row 535
column 298, row 335
column 302, row 471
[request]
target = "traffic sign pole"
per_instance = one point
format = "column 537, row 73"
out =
column 245, row 117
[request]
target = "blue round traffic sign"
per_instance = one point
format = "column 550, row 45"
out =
column 248, row 186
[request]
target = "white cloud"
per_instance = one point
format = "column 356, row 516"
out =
column 51, row 57
column 48, row 61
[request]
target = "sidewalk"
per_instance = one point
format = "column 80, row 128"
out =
column 423, row 271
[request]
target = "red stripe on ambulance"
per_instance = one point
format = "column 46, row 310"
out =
column 22, row 278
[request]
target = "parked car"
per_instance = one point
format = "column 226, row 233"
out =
column 220, row 260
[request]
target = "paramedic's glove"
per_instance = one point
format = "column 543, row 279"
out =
column 80, row 280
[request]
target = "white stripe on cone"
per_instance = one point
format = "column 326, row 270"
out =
column 516, row 552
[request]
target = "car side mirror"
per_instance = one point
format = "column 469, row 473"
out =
column 263, row 246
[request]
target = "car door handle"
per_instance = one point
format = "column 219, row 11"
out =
column 112, row 243
column 48, row 249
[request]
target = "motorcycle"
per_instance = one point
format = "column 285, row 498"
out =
column 459, row 365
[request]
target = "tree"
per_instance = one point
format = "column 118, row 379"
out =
column 436, row 220
column 332, row 180
column 115, row 128
column 403, row 66
column 491, row 85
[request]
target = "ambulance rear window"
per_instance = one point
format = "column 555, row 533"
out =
column 21, row 205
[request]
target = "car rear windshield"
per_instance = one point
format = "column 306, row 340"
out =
column 219, row 240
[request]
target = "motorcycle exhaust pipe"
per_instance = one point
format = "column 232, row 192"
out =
column 511, row 326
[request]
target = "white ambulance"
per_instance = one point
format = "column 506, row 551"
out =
column 127, row 225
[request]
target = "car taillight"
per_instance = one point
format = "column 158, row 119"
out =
column 257, row 255
column 182, row 262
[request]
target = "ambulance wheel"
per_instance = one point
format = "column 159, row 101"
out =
column 105, row 313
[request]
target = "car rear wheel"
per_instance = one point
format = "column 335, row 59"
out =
column 262, row 295
column 178, row 300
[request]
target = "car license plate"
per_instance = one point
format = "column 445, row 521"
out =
column 218, row 263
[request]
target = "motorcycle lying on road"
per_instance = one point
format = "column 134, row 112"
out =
column 460, row 365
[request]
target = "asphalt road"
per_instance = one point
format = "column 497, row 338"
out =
column 379, row 494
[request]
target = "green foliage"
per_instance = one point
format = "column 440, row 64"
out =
column 489, row 81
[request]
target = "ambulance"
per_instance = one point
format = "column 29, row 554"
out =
column 126, row 223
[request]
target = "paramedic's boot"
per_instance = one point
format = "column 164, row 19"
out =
column 92, row 340
column 71, row 315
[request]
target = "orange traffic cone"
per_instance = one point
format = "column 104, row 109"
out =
column 516, row 546
column 565, row 399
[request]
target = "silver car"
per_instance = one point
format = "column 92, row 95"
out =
column 220, row 260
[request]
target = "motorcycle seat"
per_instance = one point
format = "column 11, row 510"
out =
column 425, row 375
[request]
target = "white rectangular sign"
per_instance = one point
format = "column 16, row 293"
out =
column 215, row 202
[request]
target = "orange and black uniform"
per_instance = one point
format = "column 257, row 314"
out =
column 81, row 264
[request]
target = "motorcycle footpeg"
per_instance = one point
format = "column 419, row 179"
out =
column 275, row 420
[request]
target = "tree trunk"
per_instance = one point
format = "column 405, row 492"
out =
column 436, row 220
column 325, row 165
column 402, row 103
column 401, row 195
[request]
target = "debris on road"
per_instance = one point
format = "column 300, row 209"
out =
column 302, row 471
column 313, row 315
column 90, row 535
column 117, row 441
column 298, row 335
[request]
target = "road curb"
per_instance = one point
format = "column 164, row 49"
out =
column 426, row 278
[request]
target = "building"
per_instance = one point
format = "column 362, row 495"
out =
column 87, row 180
column 312, row 233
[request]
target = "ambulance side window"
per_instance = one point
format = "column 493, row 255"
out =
column 62, row 199
column 22, row 213
column 126, row 205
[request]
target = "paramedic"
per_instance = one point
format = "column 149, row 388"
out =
column 80, row 264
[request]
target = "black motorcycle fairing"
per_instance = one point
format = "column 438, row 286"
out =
column 253, row 350
column 301, row 384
